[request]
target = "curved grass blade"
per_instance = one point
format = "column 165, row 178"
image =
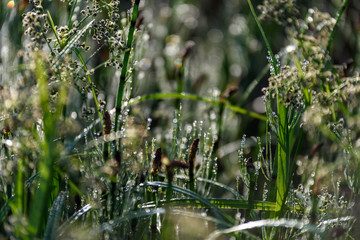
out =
column 252, row 85
column 335, row 220
column 73, row 218
column 287, row 223
column 218, row 214
column 183, row 95
column 53, row 28
column 5, row 208
column 54, row 216
column 77, row 139
column 339, row 14
column 218, row 184
column 218, row 202
column 272, row 56
column 8, row 202
column 97, row 105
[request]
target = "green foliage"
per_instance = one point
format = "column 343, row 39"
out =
column 140, row 120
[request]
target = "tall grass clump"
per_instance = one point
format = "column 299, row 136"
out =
column 179, row 119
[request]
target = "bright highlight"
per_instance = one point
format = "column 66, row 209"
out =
column 11, row 4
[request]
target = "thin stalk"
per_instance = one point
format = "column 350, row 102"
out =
column 153, row 228
column 252, row 85
column 180, row 85
column 167, row 229
column 273, row 59
column 107, row 131
column 8, row 156
column 192, row 155
column 339, row 14
column 71, row 14
column 282, row 160
column 97, row 105
column 251, row 171
column 121, row 87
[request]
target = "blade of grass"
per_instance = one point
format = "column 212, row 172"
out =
column 219, row 203
column 219, row 214
column 54, row 216
column 5, row 208
column 283, row 147
column 218, row 184
column 53, row 28
column 73, row 218
column 78, row 54
column 282, row 157
column 124, row 69
column 252, row 85
column 339, row 14
column 287, row 223
column 272, row 56
column 233, row 108
column 19, row 189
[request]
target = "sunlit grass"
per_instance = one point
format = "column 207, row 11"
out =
column 174, row 120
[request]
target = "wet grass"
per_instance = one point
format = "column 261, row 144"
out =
column 153, row 120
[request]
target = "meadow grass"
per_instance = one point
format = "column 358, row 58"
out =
column 163, row 120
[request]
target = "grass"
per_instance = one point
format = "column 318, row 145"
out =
column 163, row 120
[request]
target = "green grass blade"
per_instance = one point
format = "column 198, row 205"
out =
column 219, row 214
column 9, row 202
column 339, row 14
column 53, row 28
column 4, row 209
column 233, row 108
column 286, row 223
column 252, row 85
column 78, row 138
column 272, row 56
column 218, row 202
column 282, row 157
column 218, row 184
column 124, row 69
column 78, row 54
column 19, row 189
column 54, row 216
column 73, row 218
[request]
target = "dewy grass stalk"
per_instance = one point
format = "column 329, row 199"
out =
column 97, row 105
column 282, row 160
column 339, row 14
column 192, row 155
column 124, row 69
